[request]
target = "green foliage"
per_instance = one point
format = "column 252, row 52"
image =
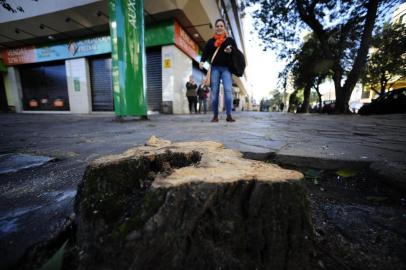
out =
column 313, row 98
column 276, row 99
column 10, row 8
column 347, row 173
column 309, row 69
column 341, row 27
column 387, row 62
column 55, row 262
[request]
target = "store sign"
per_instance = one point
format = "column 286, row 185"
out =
column 185, row 43
column 72, row 49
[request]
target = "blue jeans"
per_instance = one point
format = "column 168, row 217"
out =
column 203, row 104
column 217, row 73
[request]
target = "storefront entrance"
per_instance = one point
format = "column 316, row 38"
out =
column 154, row 78
column 44, row 87
column 101, row 83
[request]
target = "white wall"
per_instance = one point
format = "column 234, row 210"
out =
column 78, row 79
column 12, row 84
column 176, row 69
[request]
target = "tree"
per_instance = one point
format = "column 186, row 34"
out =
column 8, row 7
column 343, row 28
column 276, row 99
column 309, row 69
column 387, row 62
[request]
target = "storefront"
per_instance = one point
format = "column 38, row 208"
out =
column 101, row 83
column 76, row 76
column 44, row 87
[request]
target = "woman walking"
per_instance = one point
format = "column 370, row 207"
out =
column 218, row 49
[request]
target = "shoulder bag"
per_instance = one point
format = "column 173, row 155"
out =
column 237, row 62
column 207, row 80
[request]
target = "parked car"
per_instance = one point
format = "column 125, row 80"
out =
column 328, row 106
column 389, row 102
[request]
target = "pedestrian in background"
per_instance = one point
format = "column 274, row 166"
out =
column 191, row 94
column 202, row 93
column 218, row 49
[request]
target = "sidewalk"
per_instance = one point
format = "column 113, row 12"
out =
column 35, row 201
column 344, row 137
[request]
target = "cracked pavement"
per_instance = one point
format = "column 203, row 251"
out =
column 35, row 201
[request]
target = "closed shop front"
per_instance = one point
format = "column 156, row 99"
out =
column 44, row 87
column 101, row 83
column 154, row 78
column 76, row 76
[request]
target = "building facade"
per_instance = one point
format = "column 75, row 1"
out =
column 56, row 55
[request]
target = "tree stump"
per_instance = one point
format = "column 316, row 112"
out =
column 191, row 205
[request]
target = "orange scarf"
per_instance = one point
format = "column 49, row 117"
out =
column 219, row 39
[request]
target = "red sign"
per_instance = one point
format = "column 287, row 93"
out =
column 185, row 43
column 19, row 55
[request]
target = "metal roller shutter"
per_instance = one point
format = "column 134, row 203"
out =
column 44, row 86
column 154, row 78
column 101, row 83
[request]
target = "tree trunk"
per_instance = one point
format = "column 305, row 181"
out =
column 359, row 64
column 292, row 99
column 306, row 98
column 383, row 82
column 319, row 98
column 191, row 205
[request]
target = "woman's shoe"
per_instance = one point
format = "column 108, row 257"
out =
column 215, row 119
column 230, row 119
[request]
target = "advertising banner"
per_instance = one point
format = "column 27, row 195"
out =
column 128, row 57
column 72, row 49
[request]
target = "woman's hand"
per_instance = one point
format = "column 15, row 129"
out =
column 201, row 64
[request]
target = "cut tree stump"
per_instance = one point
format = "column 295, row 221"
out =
column 191, row 205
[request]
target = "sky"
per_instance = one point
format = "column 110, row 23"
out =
column 262, row 66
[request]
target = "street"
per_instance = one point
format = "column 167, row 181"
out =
column 35, row 201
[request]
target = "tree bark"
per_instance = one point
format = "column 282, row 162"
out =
column 384, row 82
column 319, row 79
column 306, row 98
column 191, row 205
column 360, row 61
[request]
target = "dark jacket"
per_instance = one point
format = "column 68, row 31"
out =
column 222, row 58
column 202, row 91
column 191, row 89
